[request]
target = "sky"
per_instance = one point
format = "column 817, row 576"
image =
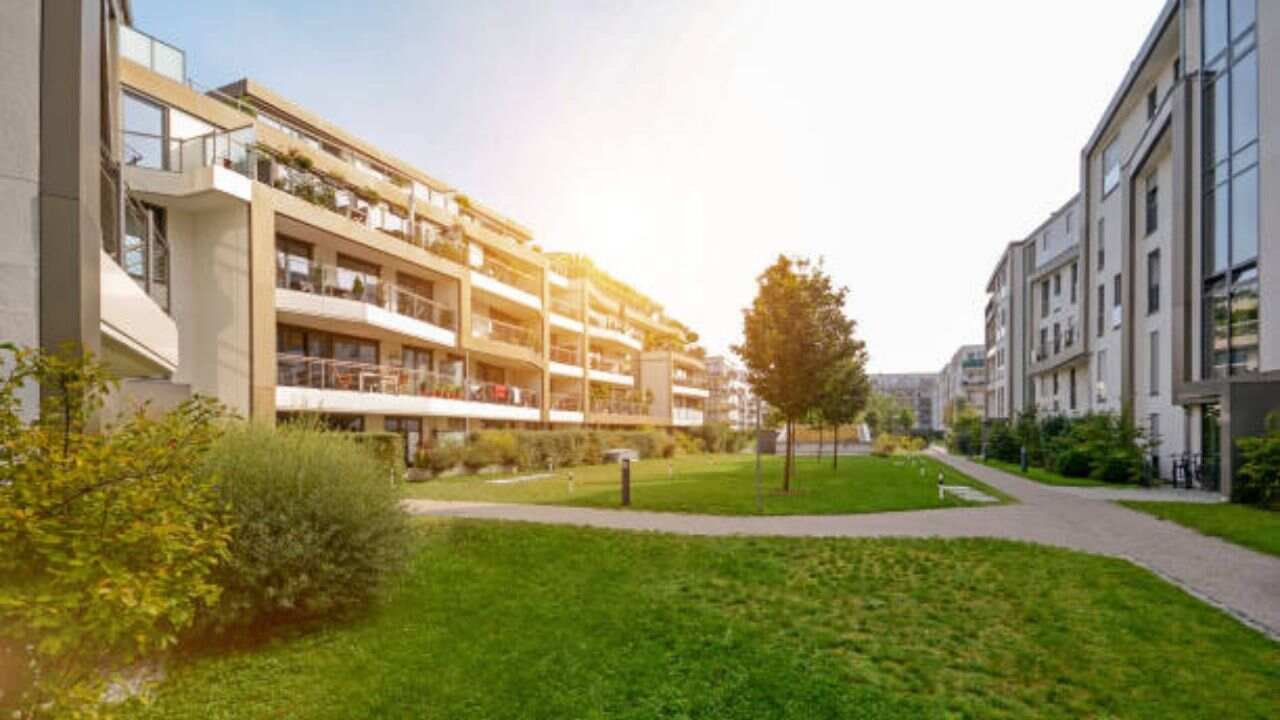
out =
column 684, row 145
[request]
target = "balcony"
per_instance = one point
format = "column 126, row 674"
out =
column 566, row 407
column 503, row 280
column 619, row 407
column 565, row 361
column 607, row 327
column 612, row 370
column 689, row 385
column 322, row 384
column 486, row 328
column 158, row 57
column 565, row 314
column 686, row 417
column 327, row 291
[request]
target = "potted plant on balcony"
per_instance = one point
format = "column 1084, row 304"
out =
column 368, row 195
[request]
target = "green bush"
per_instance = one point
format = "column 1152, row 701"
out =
column 387, row 448
column 1258, row 478
column 1117, row 466
column 108, row 540
column 318, row 528
column 492, row 447
column 443, row 458
column 1002, row 442
column 1072, row 463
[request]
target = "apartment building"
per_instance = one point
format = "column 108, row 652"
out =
column 1170, row 239
column 962, row 384
column 253, row 251
column 1058, row 369
column 1005, row 332
column 732, row 400
column 57, row 121
column 916, row 391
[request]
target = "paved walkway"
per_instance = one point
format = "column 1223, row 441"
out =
column 1243, row 582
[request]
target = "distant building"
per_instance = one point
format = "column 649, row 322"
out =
column 732, row 400
column 916, row 391
column 961, row 383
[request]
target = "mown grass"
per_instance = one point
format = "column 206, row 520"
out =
column 501, row 620
column 725, row 485
column 1049, row 477
column 1249, row 526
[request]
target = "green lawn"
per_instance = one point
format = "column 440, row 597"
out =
column 1249, row 526
column 725, row 485
column 1048, row 477
column 498, row 620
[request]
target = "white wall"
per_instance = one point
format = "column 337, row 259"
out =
column 19, row 179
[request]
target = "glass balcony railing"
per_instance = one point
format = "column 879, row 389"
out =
column 689, row 381
column 687, row 414
column 564, row 355
column 487, row 328
column 330, row 374
column 565, row 308
column 157, row 56
column 508, row 275
column 310, row 277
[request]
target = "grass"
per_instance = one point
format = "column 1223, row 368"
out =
column 1241, row 524
column 1048, row 477
column 498, row 620
column 725, row 485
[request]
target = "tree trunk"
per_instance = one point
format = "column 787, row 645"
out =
column 786, row 460
column 835, row 446
column 819, row 442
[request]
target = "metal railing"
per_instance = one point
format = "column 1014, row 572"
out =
column 508, row 275
column 687, row 414
column 329, row 374
column 610, row 406
column 328, row 280
column 568, row 402
column 489, row 329
column 604, row 363
column 566, row 308
column 690, row 381
column 564, row 355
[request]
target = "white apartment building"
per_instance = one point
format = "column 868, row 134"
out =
column 732, row 400
column 962, row 383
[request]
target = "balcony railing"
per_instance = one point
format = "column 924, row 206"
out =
column 331, row 281
column 604, row 363
column 690, row 381
column 567, row 402
column 508, row 275
column 610, row 406
column 564, row 355
column 489, row 329
column 687, row 414
column 157, row 56
column 566, row 308
column 329, row 374
column 608, row 322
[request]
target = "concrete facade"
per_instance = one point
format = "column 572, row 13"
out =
column 962, row 384
column 917, row 391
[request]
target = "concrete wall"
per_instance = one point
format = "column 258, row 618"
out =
column 20, row 178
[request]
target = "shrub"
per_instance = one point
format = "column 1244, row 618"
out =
column 387, row 448
column 491, row 447
column 1072, row 463
column 886, row 444
column 109, row 539
column 1002, row 443
column 1117, row 466
column 445, row 457
column 318, row 529
column 1258, row 478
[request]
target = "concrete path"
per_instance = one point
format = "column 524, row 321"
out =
column 1242, row 582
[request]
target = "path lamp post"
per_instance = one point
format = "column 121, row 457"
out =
column 626, row 481
column 759, row 480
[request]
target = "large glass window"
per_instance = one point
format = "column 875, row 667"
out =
column 1153, row 282
column 293, row 265
column 144, row 132
column 357, row 280
column 1110, row 167
column 1230, row 230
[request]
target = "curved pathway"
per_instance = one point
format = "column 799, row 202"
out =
column 1241, row 581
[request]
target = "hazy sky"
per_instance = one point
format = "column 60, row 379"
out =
column 683, row 145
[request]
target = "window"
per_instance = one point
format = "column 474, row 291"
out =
column 143, row 252
column 293, row 265
column 1153, row 206
column 1110, row 167
column 1153, row 372
column 1177, row 69
column 1044, row 341
column 1153, row 427
column 1044, row 242
column 1102, row 243
column 357, row 279
column 1153, row 282
column 1100, row 363
column 1075, row 279
column 1068, row 222
column 1229, row 105
column 1102, row 306
column 1057, row 338
column 1115, row 290
column 1044, row 298
column 1152, row 103
column 145, row 132
column 1071, row 388
column 1057, row 284
column 1055, row 384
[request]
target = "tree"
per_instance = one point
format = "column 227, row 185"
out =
column 882, row 414
column 846, row 393
column 793, row 334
